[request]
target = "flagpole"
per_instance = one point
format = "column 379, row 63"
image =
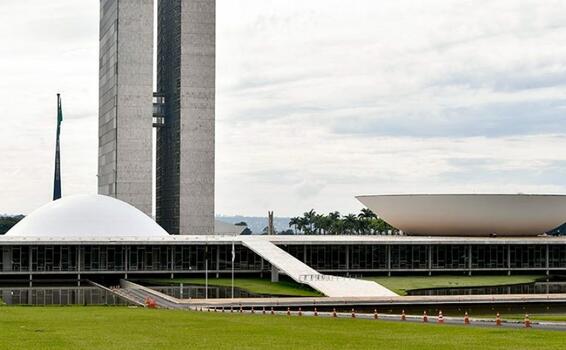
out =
column 57, row 175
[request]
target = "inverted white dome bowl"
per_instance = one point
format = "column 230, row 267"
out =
column 470, row 214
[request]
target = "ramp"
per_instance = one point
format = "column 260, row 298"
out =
column 331, row 286
column 140, row 294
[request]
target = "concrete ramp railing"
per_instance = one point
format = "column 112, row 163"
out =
column 117, row 292
column 331, row 286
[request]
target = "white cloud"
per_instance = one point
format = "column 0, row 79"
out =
column 318, row 101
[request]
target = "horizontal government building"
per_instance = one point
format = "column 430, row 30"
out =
column 94, row 237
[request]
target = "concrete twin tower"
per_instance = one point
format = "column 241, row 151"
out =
column 182, row 110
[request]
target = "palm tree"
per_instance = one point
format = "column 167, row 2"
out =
column 367, row 214
column 351, row 222
column 324, row 224
column 294, row 222
column 334, row 219
column 310, row 217
column 304, row 225
column 337, row 227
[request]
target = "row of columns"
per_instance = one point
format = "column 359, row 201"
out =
column 274, row 272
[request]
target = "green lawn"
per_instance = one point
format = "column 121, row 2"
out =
column 401, row 284
column 125, row 328
column 253, row 285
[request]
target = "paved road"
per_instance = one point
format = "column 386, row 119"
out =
column 432, row 321
column 381, row 301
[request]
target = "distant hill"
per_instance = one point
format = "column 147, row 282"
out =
column 559, row 231
column 256, row 223
column 8, row 221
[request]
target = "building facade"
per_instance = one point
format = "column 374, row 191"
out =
column 30, row 261
column 126, row 101
column 186, row 64
column 184, row 103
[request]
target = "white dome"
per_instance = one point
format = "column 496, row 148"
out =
column 88, row 216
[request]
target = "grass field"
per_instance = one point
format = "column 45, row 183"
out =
column 401, row 284
column 124, row 328
column 253, row 285
column 398, row 284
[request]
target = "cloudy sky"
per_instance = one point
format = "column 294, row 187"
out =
column 318, row 100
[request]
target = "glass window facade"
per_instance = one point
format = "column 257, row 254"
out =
column 329, row 258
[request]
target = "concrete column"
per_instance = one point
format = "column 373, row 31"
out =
column 388, row 249
column 508, row 260
column 172, row 260
column 348, row 259
column 469, row 260
column 547, row 260
column 274, row 274
column 30, row 267
column 262, row 267
column 429, row 248
column 78, row 263
column 126, row 262
column 218, row 261
column 7, row 258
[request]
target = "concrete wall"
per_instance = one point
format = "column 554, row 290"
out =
column 198, row 66
column 126, row 94
column 186, row 144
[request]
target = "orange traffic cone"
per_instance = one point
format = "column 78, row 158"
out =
column 440, row 317
column 466, row 318
column 375, row 316
column 403, row 317
column 315, row 312
column 498, row 319
column 527, row 321
column 353, row 313
column 334, row 313
column 425, row 317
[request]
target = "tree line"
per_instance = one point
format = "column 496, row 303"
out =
column 364, row 223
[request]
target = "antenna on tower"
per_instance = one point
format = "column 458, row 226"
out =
column 57, row 177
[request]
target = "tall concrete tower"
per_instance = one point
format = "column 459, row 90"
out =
column 183, row 109
column 186, row 65
column 126, row 101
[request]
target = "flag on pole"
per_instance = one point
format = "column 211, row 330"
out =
column 57, row 177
